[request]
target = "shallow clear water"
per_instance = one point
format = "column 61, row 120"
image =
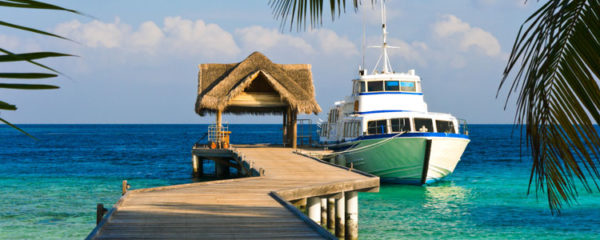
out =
column 50, row 187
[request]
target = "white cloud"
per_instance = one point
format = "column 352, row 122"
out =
column 179, row 35
column 414, row 52
column 455, row 31
column 262, row 39
column 8, row 42
column 187, row 36
column 147, row 37
column 330, row 43
column 320, row 41
column 95, row 33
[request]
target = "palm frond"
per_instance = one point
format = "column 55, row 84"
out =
column 8, row 56
column 27, row 75
column 34, row 4
column 7, row 106
column 18, row 128
column 31, row 56
column 33, row 30
column 300, row 9
column 555, row 62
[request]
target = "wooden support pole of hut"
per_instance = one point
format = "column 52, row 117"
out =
column 294, row 122
column 331, row 213
column 323, row 211
column 340, row 218
column 313, row 205
column 351, row 215
column 288, row 126
column 285, row 128
column 218, row 128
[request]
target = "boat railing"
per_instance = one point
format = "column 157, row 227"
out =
column 463, row 126
column 218, row 136
column 305, row 131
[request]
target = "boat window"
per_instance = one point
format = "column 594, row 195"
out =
column 423, row 125
column 400, row 124
column 444, row 126
column 362, row 86
column 408, row 86
column 392, row 86
column 333, row 115
column 375, row 86
column 351, row 128
column 324, row 130
column 377, row 127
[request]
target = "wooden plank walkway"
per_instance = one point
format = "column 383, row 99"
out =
column 243, row 208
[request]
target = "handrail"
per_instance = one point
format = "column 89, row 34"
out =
column 201, row 138
column 465, row 126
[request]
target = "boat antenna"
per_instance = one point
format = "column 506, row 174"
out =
column 387, row 67
column 364, row 40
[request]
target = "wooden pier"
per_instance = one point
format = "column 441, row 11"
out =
column 256, row 207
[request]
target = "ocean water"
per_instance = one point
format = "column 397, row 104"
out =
column 50, row 187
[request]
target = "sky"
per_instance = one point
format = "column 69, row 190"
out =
column 137, row 60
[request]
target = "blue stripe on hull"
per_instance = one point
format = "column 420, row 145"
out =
column 386, row 93
column 413, row 134
column 341, row 145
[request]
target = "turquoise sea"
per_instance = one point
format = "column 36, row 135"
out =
column 49, row 188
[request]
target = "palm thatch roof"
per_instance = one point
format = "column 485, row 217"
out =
column 219, row 84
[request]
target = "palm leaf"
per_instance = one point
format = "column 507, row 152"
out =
column 7, row 106
column 30, row 61
column 555, row 63
column 15, row 127
column 33, row 30
column 28, row 57
column 31, row 56
column 299, row 9
column 27, row 75
column 33, row 4
column 27, row 86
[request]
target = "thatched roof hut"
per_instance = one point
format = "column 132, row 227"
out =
column 255, row 86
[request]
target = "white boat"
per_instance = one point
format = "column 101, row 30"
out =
column 384, row 127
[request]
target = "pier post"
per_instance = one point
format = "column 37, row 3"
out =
column 330, row 213
column 219, row 169
column 100, row 211
column 124, row 187
column 313, row 204
column 195, row 165
column 340, row 218
column 323, row 211
column 351, row 215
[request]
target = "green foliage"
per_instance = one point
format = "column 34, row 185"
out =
column 556, row 66
column 28, row 57
column 300, row 8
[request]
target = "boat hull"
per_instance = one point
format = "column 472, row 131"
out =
column 404, row 159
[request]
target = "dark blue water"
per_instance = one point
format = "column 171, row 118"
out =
column 50, row 187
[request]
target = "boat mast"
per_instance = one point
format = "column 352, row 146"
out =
column 387, row 66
